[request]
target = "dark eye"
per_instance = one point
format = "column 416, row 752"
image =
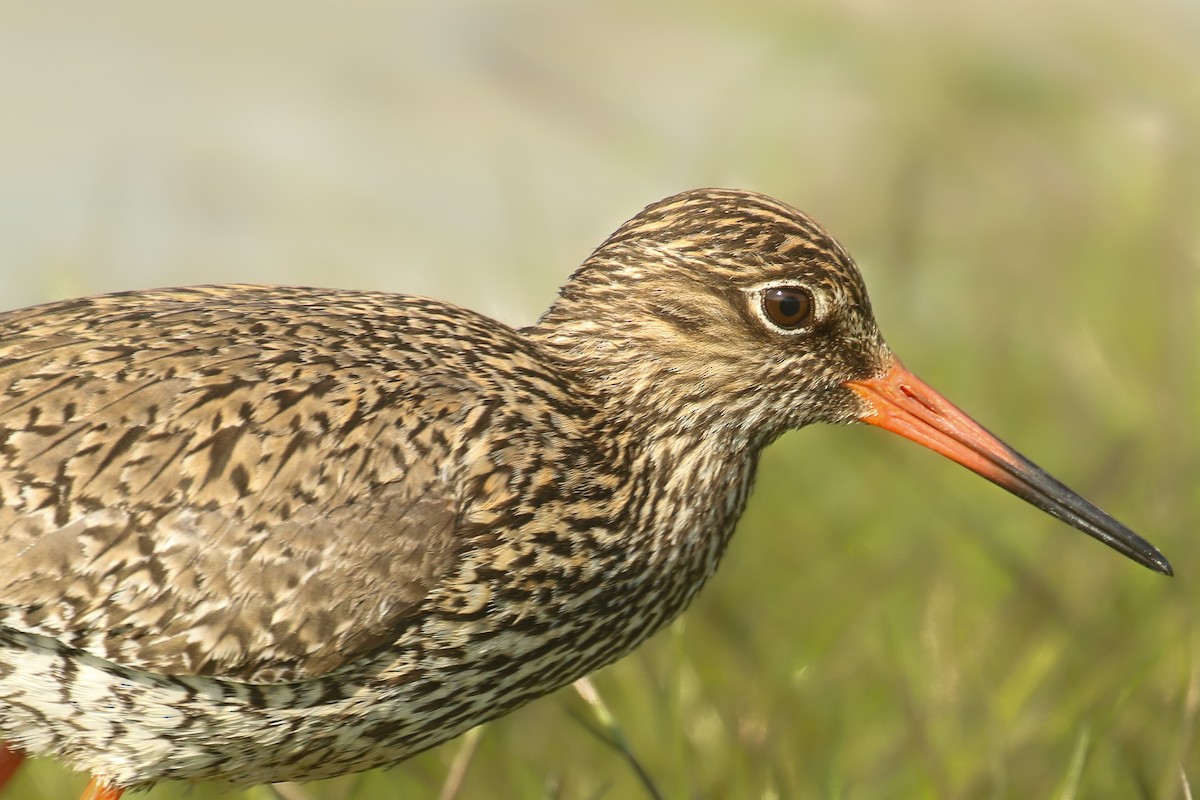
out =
column 789, row 307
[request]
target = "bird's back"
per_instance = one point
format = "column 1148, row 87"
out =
column 247, row 482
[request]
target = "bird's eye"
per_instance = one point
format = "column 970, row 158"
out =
column 789, row 307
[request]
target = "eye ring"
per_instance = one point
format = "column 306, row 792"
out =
column 789, row 308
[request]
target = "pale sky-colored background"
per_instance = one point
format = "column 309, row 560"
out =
column 479, row 150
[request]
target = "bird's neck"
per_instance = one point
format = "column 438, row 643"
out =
column 676, row 401
column 691, row 454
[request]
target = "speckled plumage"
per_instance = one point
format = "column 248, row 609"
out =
column 261, row 533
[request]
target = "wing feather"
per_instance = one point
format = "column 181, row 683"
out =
column 252, row 483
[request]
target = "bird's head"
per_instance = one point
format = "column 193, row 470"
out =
column 726, row 313
column 724, row 300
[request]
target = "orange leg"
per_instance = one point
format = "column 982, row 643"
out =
column 98, row 790
column 10, row 762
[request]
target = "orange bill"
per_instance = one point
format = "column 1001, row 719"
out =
column 900, row 402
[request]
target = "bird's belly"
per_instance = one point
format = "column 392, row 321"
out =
column 478, row 650
column 137, row 728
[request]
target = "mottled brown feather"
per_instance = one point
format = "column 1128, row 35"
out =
column 265, row 533
column 213, row 442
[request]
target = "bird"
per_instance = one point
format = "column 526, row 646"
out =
column 254, row 534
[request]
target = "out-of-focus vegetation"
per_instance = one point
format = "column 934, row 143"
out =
column 1021, row 184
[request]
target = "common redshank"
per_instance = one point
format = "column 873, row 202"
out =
column 258, row 534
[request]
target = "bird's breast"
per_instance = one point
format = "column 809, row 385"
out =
column 571, row 569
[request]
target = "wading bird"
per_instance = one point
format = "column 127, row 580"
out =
column 259, row 534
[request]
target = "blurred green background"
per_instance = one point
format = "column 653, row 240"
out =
column 1021, row 185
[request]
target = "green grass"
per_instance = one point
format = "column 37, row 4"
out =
column 1023, row 192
